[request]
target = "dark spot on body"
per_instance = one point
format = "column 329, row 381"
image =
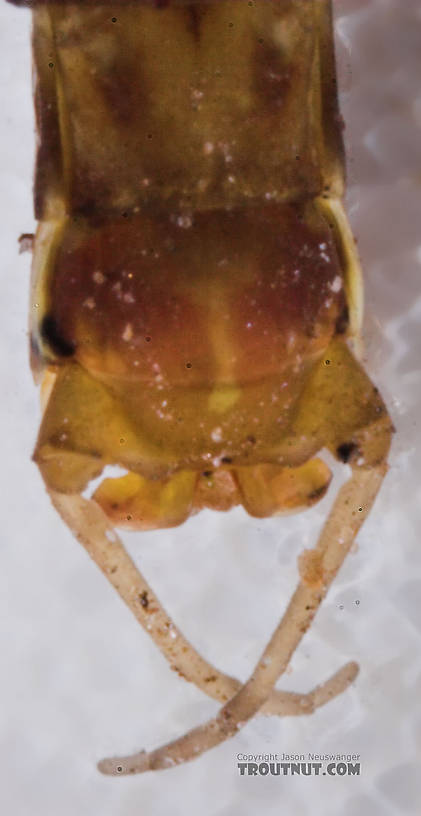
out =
column 144, row 600
column 226, row 460
column 317, row 493
column 342, row 321
column 51, row 335
column 195, row 15
column 122, row 96
column 346, row 451
column 272, row 77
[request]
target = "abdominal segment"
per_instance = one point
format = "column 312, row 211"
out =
column 225, row 298
column 185, row 106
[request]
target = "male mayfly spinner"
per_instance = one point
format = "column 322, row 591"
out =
column 198, row 292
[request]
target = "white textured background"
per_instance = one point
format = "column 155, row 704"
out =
column 79, row 679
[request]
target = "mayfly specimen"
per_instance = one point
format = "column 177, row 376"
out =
column 198, row 294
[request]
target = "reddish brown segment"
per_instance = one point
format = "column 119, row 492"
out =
column 221, row 297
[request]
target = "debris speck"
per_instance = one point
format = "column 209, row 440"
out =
column 336, row 284
column 184, row 221
column 26, row 242
column 128, row 333
column 98, row 277
column 89, row 303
